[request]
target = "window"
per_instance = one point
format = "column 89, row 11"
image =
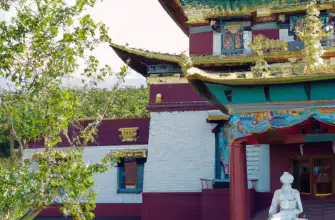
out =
column 313, row 175
column 130, row 178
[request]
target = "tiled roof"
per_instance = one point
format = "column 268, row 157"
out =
column 201, row 10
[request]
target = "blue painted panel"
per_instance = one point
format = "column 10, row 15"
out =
column 296, row 45
column 221, row 156
column 201, row 29
column 163, row 68
column 239, row 94
column 218, row 91
column 277, row 93
column 140, row 175
column 237, row 51
column 323, row 91
column 286, row 93
column 121, row 177
column 132, row 191
column 252, row 94
column 265, row 26
column 217, row 157
column 319, row 138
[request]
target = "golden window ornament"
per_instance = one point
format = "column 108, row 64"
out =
column 128, row 134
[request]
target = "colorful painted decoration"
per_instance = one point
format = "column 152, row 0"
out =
column 296, row 23
column 259, row 122
column 224, row 153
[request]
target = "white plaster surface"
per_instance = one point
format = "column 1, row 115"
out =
column 106, row 182
column 217, row 43
column 247, row 40
column 181, row 151
column 261, row 162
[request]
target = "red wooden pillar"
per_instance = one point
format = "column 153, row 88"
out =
column 238, row 182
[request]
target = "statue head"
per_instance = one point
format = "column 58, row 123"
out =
column 286, row 178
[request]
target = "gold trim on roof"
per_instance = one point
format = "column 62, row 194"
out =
column 211, row 78
column 218, row 117
column 224, row 60
column 201, row 14
column 148, row 54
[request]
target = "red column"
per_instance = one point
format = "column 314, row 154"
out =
column 238, row 182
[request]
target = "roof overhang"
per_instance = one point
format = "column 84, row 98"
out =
column 176, row 12
column 139, row 59
column 230, row 95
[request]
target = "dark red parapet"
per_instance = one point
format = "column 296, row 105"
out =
column 109, row 134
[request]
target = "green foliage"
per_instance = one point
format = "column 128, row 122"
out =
column 261, row 67
column 127, row 102
column 55, row 177
column 46, row 42
column 260, row 45
column 312, row 34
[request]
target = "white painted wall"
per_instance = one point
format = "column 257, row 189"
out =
column 258, row 166
column 181, row 151
column 247, row 40
column 106, row 182
column 217, row 41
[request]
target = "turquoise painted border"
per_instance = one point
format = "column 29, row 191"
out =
column 120, row 184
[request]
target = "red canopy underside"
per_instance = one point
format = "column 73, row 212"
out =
column 294, row 134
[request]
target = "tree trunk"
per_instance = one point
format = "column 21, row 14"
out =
column 11, row 140
column 30, row 215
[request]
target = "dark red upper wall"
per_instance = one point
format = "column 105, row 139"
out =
column 108, row 133
column 201, row 43
column 183, row 92
column 177, row 97
column 270, row 33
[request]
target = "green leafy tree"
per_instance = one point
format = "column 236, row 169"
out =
column 261, row 68
column 46, row 42
column 312, row 34
column 125, row 102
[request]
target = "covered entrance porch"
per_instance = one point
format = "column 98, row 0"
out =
column 295, row 110
column 304, row 148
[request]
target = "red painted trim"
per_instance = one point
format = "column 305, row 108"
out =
column 183, row 92
column 270, row 33
column 119, row 209
column 238, row 181
column 183, row 106
column 172, row 206
column 104, row 209
column 199, row 24
column 215, row 204
column 158, row 194
column 201, row 43
column 108, row 134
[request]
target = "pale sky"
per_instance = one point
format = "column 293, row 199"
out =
column 142, row 24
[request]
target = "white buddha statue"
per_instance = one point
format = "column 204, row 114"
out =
column 286, row 202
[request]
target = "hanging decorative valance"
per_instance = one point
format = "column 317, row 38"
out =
column 138, row 155
column 243, row 125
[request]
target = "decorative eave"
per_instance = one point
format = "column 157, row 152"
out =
column 137, row 59
column 175, row 10
column 199, row 11
column 228, row 94
column 217, row 79
column 240, row 59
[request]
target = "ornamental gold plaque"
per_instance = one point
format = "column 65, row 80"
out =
column 128, row 134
